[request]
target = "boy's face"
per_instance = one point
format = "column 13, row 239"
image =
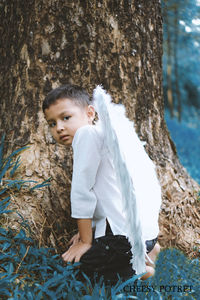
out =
column 65, row 117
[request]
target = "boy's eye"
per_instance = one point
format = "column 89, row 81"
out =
column 66, row 118
column 53, row 124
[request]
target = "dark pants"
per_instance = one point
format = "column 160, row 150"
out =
column 110, row 257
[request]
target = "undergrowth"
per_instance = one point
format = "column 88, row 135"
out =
column 30, row 272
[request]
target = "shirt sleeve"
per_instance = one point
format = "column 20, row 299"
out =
column 86, row 159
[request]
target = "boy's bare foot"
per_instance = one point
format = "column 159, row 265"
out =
column 150, row 272
column 154, row 252
column 150, row 263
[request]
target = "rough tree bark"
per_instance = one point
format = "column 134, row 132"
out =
column 117, row 43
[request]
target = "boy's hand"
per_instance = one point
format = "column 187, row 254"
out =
column 75, row 252
column 74, row 240
column 81, row 242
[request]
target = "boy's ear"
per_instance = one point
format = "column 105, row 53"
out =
column 91, row 112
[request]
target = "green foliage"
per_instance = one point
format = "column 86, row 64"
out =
column 29, row 272
column 10, row 164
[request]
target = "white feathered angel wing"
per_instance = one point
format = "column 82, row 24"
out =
column 123, row 143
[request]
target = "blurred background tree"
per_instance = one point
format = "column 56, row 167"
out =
column 181, row 79
column 181, row 59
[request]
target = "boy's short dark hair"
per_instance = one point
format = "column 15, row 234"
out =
column 70, row 91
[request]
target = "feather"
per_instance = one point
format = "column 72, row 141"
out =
column 135, row 173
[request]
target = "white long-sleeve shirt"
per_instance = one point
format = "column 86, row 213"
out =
column 94, row 192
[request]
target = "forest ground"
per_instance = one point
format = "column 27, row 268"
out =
column 186, row 136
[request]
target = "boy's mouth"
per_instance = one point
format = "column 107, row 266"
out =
column 64, row 137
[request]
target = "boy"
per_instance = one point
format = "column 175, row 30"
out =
column 96, row 201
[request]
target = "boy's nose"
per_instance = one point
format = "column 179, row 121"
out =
column 59, row 127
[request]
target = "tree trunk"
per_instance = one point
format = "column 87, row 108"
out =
column 176, row 69
column 170, row 97
column 116, row 43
